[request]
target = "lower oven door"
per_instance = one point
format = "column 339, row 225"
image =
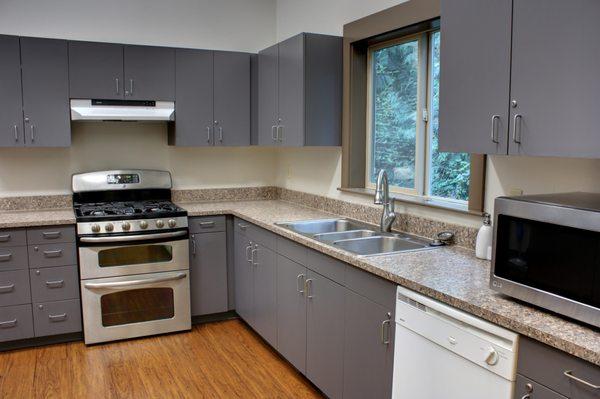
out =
column 133, row 306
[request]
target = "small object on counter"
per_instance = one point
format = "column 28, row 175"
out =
column 443, row 238
column 483, row 245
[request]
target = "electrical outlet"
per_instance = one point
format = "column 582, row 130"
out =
column 515, row 192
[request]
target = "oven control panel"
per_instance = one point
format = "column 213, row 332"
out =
column 131, row 226
column 129, row 178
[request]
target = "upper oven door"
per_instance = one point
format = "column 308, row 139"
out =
column 116, row 256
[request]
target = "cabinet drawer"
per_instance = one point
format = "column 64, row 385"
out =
column 13, row 258
column 327, row 266
column 14, row 288
column 526, row 388
column 50, row 234
column 16, row 322
column 370, row 286
column 54, row 283
column 52, row 318
column 209, row 224
column 547, row 366
column 50, row 255
column 10, row 238
column 292, row 250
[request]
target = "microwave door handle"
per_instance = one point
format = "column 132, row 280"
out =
column 125, row 284
column 140, row 237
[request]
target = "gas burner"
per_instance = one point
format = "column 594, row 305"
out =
column 127, row 210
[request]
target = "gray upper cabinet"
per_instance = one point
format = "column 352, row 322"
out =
column 11, row 117
column 96, row 70
column 555, row 64
column 300, row 92
column 149, row 73
column 193, row 99
column 45, row 77
column 475, row 76
column 231, row 98
column 208, row 273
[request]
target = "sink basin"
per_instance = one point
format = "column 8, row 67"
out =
column 313, row 227
column 345, row 235
column 378, row 245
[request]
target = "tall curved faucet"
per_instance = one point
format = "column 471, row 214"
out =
column 382, row 197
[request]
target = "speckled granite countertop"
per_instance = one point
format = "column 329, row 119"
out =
column 41, row 217
column 452, row 275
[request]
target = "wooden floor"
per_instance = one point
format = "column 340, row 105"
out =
column 216, row 360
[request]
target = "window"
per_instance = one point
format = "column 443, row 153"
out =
column 402, row 121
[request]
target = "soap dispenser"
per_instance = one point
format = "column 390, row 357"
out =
column 483, row 245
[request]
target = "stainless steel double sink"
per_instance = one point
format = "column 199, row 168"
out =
column 356, row 237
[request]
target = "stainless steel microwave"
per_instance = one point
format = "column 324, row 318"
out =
column 546, row 252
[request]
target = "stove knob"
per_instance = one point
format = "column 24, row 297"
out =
column 125, row 226
column 96, row 228
column 172, row 223
column 160, row 224
column 109, row 227
column 143, row 225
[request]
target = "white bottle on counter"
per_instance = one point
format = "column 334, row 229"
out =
column 483, row 245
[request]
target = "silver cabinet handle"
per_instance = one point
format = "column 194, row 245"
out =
column 385, row 330
column 16, row 129
column 495, row 119
column 8, row 324
column 141, row 237
column 208, row 134
column 117, row 84
column 569, row 374
column 55, row 284
column 53, row 254
column 254, row 252
column 131, row 87
column 307, row 288
column 300, row 283
column 242, row 226
column 32, row 132
column 130, row 283
column 248, row 256
column 57, row 317
column 51, row 234
column 7, row 288
column 280, row 135
column 517, row 126
column 274, row 132
column 5, row 257
column 206, row 224
column 220, row 134
column 193, row 239
column 4, row 237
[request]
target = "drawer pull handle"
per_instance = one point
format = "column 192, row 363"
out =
column 569, row 374
column 207, row 224
column 4, row 237
column 385, row 330
column 242, row 226
column 8, row 324
column 55, row 284
column 53, row 254
column 5, row 257
column 57, row 317
column 7, row 288
column 51, row 234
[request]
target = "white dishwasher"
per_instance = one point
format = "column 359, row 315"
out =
column 444, row 353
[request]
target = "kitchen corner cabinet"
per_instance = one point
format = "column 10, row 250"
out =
column 550, row 72
column 212, row 99
column 300, row 92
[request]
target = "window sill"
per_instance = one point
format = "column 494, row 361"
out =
column 411, row 199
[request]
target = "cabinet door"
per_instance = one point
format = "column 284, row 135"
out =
column 529, row 389
column 232, row 98
column 208, row 271
column 96, row 70
column 325, row 334
column 265, row 311
column 11, row 117
column 149, row 73
column 555, row 63
column 475, row 76
column 368, row 348
column 268, row 112
column 193, row 98
column 45, row 76
column 291, row 91
column 243, row 278
column 291, row 312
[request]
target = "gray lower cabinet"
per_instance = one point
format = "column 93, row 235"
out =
column 16, row 322
column 208, row 273
column 243, row 278
column 324, row 334
column 96, row 70
column 59, row 317
column 45, row 82
column 11, row 117
column 54, row 283
column 368, row 348
column 529, row 389
column 300, row 92
column 149, row 73
column 14, row 288
column 265, row 312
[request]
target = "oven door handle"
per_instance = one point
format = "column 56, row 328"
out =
column 141, row 237
column 122, row 284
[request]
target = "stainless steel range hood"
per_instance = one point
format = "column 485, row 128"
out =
column 122, row 110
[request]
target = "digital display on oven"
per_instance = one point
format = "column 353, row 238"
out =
column 123, row 179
